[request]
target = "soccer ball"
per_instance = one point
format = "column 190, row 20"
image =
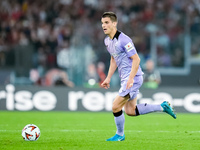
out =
column 31, row 132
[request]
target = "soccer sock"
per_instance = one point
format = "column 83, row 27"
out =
column 147, row 108
column 119, row 121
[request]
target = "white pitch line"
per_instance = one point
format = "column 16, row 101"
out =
column 10, row 130
column 137, row 131
column 131, row 131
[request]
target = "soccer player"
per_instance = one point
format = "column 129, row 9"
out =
column 124, row 57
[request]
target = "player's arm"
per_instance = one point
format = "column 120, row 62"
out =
column 111, row 71
column 134, row 69
column 112, row 68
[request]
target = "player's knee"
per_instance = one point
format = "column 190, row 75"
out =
column 130, row 112
column 115, row 108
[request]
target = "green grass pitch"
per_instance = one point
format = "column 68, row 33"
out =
column 89, row 130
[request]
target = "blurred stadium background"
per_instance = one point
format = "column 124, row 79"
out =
column 52, row 52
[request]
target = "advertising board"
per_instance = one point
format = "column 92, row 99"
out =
column 27, row 98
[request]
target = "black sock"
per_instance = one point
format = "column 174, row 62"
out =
column 117, row 114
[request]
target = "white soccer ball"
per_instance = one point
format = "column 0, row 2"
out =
column 31, row 132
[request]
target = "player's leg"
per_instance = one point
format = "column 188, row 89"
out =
column 130, row 107
column 118, row 104
column 133, row 109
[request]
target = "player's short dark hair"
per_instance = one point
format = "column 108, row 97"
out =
column 110, row 15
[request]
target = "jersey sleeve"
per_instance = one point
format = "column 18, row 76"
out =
column 106, row 44
column 105, row 41
column 128, row 46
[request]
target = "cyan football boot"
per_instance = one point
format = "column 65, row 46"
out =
column 168, row 109
column 116, row 137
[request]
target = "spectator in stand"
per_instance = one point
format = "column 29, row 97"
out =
column 101, row 72
column 91, row 76
column 46, row 24
column 57, row 77
column 152, row 77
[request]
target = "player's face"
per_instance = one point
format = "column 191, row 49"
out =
column 108, row 26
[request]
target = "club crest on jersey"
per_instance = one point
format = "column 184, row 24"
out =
column 129, row 46
column 114, row 54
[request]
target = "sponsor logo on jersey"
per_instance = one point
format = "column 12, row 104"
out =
column 129, row 47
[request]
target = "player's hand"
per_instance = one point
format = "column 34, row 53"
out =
column 106, row 83
column 129, row 83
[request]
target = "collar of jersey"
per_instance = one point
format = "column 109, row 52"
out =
column 116, row 35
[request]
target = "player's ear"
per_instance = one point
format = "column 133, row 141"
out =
column 115, row 24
